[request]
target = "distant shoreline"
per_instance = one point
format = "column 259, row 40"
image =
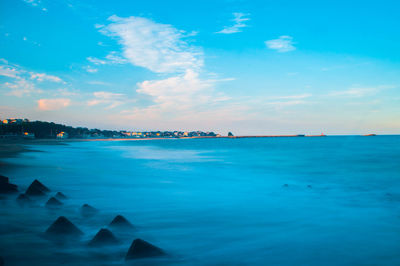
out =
column 62, row 141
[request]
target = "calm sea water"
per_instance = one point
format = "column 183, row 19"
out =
column 217, row 201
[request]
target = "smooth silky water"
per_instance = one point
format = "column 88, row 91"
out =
column 250, row 201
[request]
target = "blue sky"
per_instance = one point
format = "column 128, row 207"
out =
column 250, row 67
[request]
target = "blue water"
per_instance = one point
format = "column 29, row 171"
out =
column 224, row 201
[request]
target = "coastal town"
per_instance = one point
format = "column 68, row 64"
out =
column 22, row 128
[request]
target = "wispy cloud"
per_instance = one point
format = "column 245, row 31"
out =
column 45, row 77
column 10, row 72
column 239, row 19
column 22, row 82
column 91, row 69
column 96, row 61
column 97, row 82
column 112, row 100
column 158, row 47
column 113, row 58
column 282, row 44
column 21, row 87
column 161, row 48
column 360, row 91
column 53, row 104
column 35, row 3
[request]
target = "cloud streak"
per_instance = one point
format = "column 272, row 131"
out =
column 239, row 19
column 283, row 44
column 112, row 100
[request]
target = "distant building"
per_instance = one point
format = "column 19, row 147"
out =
column 28, row 135
column 62, row 135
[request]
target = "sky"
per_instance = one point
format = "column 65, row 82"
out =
column 250, row 67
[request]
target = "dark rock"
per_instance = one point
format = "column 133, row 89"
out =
column 142, row 249
column 37, row 189
column 53, row 202
column 63, row 227
column 87, row 210
column 1, row 261
column 285, row 185
column 8, row 188
column 4, row 179
column 309, row 186
column 120, row 222
column 103, row 237
column 23, row 199
column 60, row 196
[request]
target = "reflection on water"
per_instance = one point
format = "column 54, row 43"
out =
column 216, row 201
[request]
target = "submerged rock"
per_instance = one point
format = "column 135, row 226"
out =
column 103, row 237
column 6, row 187
column 120, row 222
column 23, row 199
column 63, row 227
column 37, row 189
column 1, row 261
column 142, row 249
column 53, row 202
column 87, row 210
column 60, row 196
column 285, row 185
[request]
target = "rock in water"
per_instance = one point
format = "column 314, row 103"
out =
column 60, row 196
column 142, row 249
column 103, row 237
column 23, row 199
column 53, row 202
column 120, row 222
column 1, row 261
column 6, row 187
column 37, row 189
column 87, row 210
column 63, row 227
column 4, row 179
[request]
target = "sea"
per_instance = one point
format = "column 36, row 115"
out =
column 331, row 200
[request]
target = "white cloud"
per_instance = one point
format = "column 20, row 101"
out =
column 360, row 91
column 35, row 3
column 21, row 87
column 9, row 72
column 179, row 92
column 32, row 2
column 45, row 77
column 114, row 58
column 53, row 104
column 282, row 45
column 103, row 97
column 239, row 19
column 111, row 59
column 158, row 47
column 96, row 61
column 91, row 69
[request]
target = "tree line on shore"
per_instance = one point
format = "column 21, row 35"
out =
column 50, row 130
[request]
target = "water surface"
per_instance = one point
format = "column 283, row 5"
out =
column 218, row 201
